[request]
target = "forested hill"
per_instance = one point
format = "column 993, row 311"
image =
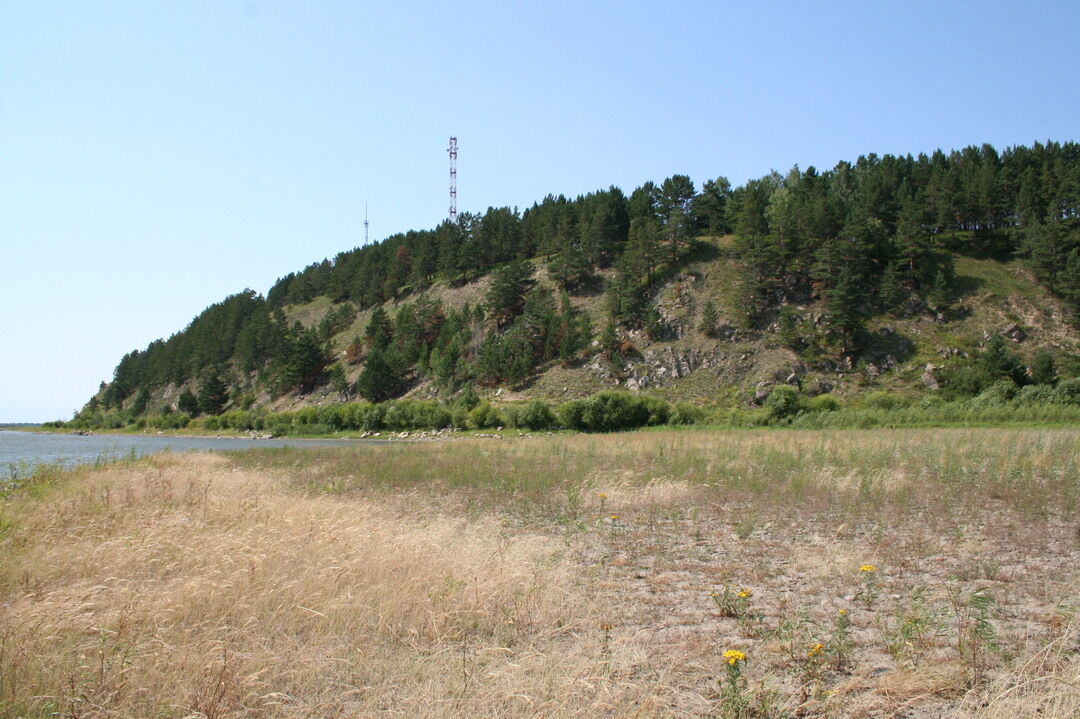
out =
column 810, row 261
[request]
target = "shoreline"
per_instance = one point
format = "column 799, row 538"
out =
column 380, row 436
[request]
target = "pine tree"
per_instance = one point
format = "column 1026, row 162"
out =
column 1043, row 370
column 570, row 269
column 338, row 381
column 653, row 321
column 626, row 300
column 609, row 340
column 355, row 351
column 999, row 363
column 940, row 295
column 1043, row 250
column 141, row 400
column 539, row 322
column 709, row 318
column 213, row 394
column 892, row 291
column 844, row 303
column 306, row 361
column 379, row 380
column 379, row 332
column 1069, row 279
column 710, row 206
column 788, row 325
column 188, row 403
column 509, row 285
column 676, row 196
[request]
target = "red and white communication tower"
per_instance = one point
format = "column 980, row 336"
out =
column 453, row 178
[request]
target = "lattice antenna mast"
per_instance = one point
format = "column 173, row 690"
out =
column 365, row 224
column 453, row 178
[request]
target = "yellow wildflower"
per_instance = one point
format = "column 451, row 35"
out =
column 815, row 650
column 746, row 593
column 868, row 568
column 734, row 656
column 601, row 496
column 614, row 518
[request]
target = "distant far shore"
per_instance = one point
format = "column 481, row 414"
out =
column 202, row 433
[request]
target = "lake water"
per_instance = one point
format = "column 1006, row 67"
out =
column 21, row 451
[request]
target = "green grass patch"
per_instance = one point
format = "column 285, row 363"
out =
column 979, row 276
column 850, row 473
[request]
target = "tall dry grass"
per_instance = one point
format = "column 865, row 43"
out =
column 1044, row 684
column 549, row 577
column 183, row 587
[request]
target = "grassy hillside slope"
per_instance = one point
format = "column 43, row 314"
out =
column 991, row 296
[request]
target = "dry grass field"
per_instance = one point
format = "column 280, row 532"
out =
column 669, row 574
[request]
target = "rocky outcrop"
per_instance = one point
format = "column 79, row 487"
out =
column 1015, row 333
column 662, row 365
column 928, row 378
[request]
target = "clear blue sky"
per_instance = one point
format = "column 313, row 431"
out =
column 156, row 157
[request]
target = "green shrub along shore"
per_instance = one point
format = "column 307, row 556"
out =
column 1001, row 403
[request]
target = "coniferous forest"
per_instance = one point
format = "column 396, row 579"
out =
column 865, row 239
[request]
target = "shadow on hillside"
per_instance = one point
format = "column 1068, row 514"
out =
column 887, row 348
column 981, row 244
column 964, row 285
column 593, row 286
column 701, row 251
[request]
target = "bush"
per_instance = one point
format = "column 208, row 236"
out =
column 531, row 415
column 966, row 381
column 483, row 416
column 823, row 403
column 1035, row 394
column 1068, row 392
column 307, row 415
column 737, row 417
column 459, row 417
column 686, row 413
column 238, row 419
column 572, row 414
column 333, row 415
column 783, row 403
column 610, row 411
column 885, row 400
column 279, row 424
column 176, row 420
column 998, row 394
column 374, row 418
column 113, row 420
column 397, row 415
column 407, row 414
column 658, row 409
column 431, row 415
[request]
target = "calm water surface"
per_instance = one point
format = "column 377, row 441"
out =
column 21, row 451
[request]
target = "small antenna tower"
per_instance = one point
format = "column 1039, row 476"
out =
column 365, row 224
column 453, row 178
